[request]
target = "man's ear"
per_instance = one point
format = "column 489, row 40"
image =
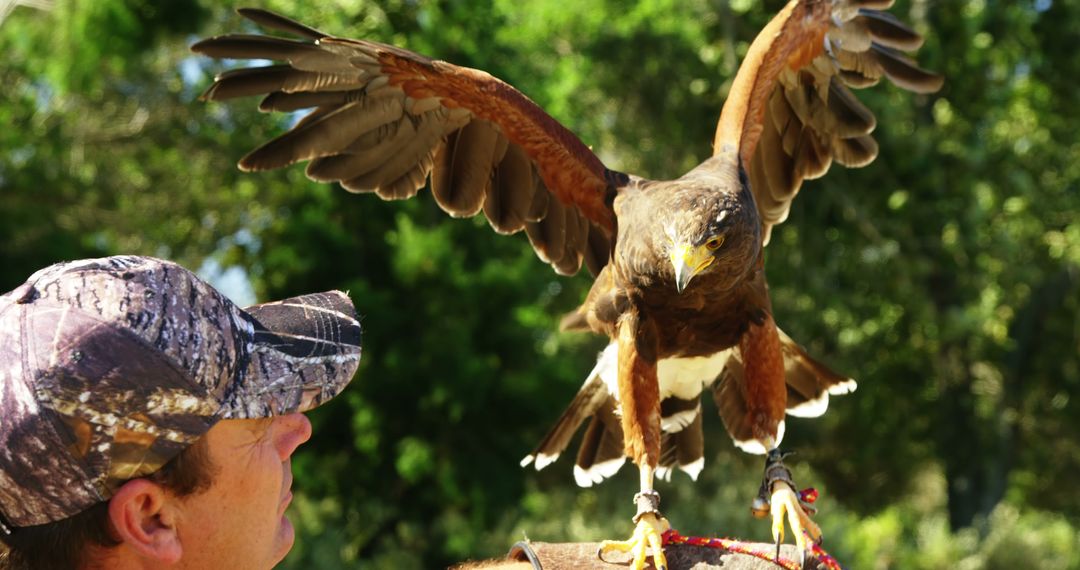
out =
column 143, row 516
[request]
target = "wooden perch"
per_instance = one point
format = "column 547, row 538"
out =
column 582, row 556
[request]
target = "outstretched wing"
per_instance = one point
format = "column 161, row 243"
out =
column 384, row 119
column 791, row 112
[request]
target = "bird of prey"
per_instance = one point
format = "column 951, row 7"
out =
column 679, row 277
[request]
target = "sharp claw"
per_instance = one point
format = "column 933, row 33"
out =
column 657, row 545
column 646, row 535
column 778, row 542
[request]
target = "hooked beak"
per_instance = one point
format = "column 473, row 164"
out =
column 688, row 261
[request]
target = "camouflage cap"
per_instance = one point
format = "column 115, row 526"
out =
column 110, row 367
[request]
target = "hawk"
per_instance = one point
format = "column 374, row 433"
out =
column 679, row 285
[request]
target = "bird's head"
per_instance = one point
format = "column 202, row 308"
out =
column 712, row 236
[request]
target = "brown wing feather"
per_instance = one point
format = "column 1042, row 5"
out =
column 385, row 118
column 790, row 113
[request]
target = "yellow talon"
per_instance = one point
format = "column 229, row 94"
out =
column 647, row 535
column 785, row 501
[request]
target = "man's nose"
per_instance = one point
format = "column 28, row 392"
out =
column 293, row 430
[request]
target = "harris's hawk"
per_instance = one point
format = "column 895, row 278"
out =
column 679, row 278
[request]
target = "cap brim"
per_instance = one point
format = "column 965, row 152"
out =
column 304, row 351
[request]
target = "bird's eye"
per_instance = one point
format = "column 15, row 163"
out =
column 714, row 243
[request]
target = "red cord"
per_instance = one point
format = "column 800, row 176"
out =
column 672, row 536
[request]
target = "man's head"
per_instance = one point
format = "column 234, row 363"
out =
column 111, row 368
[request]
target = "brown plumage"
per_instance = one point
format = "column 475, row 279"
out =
column 680, row 285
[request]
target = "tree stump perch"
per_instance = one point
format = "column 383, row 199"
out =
column 582, row 556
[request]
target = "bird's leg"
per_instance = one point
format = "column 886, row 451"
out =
column 778, row 498
column 639, row 399
column 649, row 529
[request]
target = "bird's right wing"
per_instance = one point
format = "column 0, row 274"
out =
column 385, row 118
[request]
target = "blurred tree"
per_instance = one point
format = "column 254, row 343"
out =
column 944, row 277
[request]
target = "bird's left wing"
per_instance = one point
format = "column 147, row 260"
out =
column 385, row 118
column 791, row 113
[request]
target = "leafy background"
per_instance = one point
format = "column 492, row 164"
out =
column 944, row 276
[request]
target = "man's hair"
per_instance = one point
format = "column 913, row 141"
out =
column 61, row 545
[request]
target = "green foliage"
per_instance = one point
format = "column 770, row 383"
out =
column 944, row 276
